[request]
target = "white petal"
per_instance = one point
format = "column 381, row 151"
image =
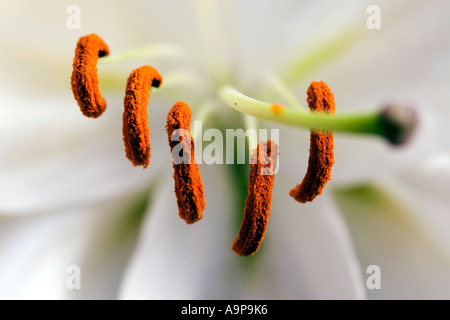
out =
column 39, row 48
column 271, row 33
column 37, row 252
column 307, row 251
column 64, row 159
column 386, row 234
column 425, row 190
column 177, row 261
column 174, row 260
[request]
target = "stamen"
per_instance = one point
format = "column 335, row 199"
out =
column 372, row 123
column 188, row 184
column 259, row 199
column 84, row 76
column 135, row 119
column 321, row 157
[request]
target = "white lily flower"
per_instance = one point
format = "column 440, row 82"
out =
column 71, row 198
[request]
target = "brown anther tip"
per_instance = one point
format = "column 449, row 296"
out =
column 136, row 132
column 321, row 156
column 259, row 199
column 277, row 108
column 179, row 117
column 188, row 184
column 320, row 98
column 84, row 80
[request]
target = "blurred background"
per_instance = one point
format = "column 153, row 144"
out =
column 78, row 221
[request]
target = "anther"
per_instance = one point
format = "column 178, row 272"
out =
column 84, row 79
column 259, row 199
column 321, row 156
column 188, row 184
column 135, row 128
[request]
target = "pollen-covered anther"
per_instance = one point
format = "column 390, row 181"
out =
column 84, row 80
column 321, row 156
column 188, row 184
column 259, row 199
column 135, row 129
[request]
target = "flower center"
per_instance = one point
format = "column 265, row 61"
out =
column 394, row 123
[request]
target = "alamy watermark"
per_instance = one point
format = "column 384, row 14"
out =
column 212, row 148
column 74, row 19
column 374, row 279
column 373, row 21
column 73, row 281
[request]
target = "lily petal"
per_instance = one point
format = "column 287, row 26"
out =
column 38, row 251
column 174, row 260
column 387, row 235
column 425, row 190
column 308, row 251
column 50, row 164
column 202, row 265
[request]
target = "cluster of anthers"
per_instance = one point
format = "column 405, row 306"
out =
column 393, row 123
